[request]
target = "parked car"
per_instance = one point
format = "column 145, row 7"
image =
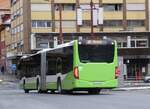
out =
column 147, row 79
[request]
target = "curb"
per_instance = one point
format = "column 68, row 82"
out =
column 1, row 81
column 131, row 88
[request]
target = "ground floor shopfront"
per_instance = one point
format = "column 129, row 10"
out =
column 135, row 69
column 134, row 63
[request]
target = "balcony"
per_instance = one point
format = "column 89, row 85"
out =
column 135, row 1
column 66, row 15
column 134, row 15
column 41, row 30
column 65, row 1
column 112, row 1
column 114, row 15
column 66, row 30
column 112, row 29
column 41, row 15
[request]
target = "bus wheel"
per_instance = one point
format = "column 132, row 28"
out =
column 52, row 91
column 24, row 82
column 94, row 91
column 59, row 87
column 26, row 91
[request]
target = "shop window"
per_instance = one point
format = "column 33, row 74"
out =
column 135, row 23
column 112, row 23
column 139, row 43
column 122, row 44
column 67, row 7
column 113, row 7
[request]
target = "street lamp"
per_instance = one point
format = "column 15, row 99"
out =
column 60, row 26
column 92, row 29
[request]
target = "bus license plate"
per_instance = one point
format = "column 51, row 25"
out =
column 96, row 83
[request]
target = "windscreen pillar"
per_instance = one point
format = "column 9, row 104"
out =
column 43, row 72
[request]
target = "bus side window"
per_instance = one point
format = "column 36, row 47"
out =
column 68, row 60
column 51, row 66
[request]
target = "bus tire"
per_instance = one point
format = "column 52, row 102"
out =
column 52, row 91
column 37, row 83
column 96, row 91
column 68, row 92
column 24, row 82
column 26, row 91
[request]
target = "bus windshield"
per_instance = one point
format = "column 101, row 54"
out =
column 96, row 53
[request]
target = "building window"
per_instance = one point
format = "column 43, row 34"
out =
column 113, row 23
column 40, row 7
column 17, row 13
column 86, row 23
column 18, row 29
column 21, row 27
column 66, row 24
column 119, row 44
column 12, row 31
column 13, row 2
column 66, row 7
column 135, row 23
column 41, row 23
column 34, row 24
column 113, row 7
column 15, row 30
column 122, row 44
column 139, row 43
column 43, row 45
column 21, row 35
column 21, row 11
column 136, row 7
column 85, row 7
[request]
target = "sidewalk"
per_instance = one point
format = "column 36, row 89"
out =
column 132, row 88
column 11, row 80
column 133, row 85
column 8, row 78
column 8, row 82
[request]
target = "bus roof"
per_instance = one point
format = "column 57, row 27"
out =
column 49, row 49
column 59, row 46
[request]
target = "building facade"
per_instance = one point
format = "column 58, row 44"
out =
column 36, row 24
column 4, row 30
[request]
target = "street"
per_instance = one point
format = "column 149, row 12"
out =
column 11, row 98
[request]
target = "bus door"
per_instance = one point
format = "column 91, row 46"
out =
column 59, row 65
column 43, row 71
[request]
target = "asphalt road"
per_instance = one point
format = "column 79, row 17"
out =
column 11, row 98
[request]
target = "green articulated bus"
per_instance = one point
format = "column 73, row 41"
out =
column 75, row 66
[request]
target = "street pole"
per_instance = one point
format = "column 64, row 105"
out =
column 77, row 6
column 100, row 6
column 60, row 26
column 92, row 29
